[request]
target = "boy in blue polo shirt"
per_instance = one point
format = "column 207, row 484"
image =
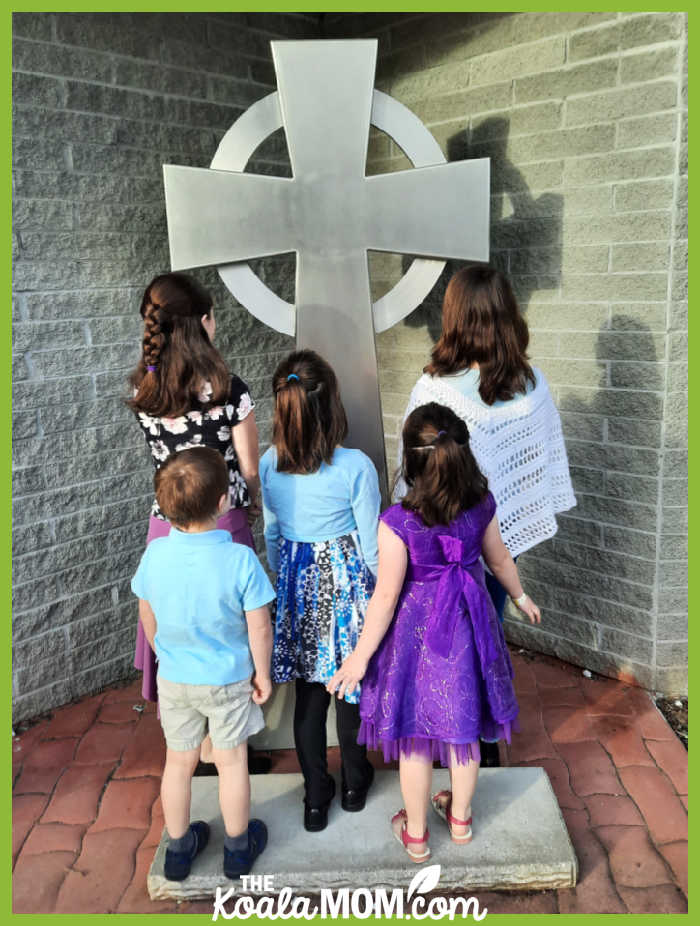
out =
column 203, row 605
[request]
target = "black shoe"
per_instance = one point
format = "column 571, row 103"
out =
column 178, row 864
column 205, row 770
column 316, row 818
column 258, row 763
column 490, row 757
column 240, row 863
column 353, row 799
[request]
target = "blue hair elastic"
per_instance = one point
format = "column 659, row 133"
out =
column 441, row 433
column 292, row 376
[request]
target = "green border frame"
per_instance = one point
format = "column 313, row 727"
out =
column 405, row 6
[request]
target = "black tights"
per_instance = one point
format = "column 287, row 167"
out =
column 310, row 712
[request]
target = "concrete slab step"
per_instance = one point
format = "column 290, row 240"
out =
column 520, row 840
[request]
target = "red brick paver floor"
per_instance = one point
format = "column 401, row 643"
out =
column 87, row 815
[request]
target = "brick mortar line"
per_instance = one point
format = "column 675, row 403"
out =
column 660, row 768
column 588, row 546
column 591, row 647
column 49, row 797
column 591, row 828
column 116, row 57
column 596, row 623
column 123, row 118
column 246, row 56
column 142, row 91
column 94, row 588
column 22, row 557
column 571, row 158
column 101, row 480
column 607, row 443
column 546, row 560
column 34, row 691
column 567, row 32
column 652, row 840
column 563, row 127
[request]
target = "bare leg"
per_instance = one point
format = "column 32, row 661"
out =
column 415, row 775
column 205, row 750
column 463, row 780
column 234, row 787
column 175, row 790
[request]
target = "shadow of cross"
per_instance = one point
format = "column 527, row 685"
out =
column 331, row 215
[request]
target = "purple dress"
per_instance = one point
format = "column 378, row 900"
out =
column 441, row 677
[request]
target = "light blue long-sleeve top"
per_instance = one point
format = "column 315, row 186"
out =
column 467, row 382
column 338, row 498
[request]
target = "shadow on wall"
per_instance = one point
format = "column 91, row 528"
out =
column 605, row 551
column 526, row 232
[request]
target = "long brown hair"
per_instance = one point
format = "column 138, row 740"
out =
column 178, row 356
column 481, row 323
column 438, row 467
column 310, row 419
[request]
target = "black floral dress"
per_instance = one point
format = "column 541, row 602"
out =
column 205, row 425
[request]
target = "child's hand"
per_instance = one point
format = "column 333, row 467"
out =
column 348, row 676
column 253, row 512
column 529, row 607
column 262, row 689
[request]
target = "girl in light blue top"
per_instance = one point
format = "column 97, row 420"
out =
column 321, row 507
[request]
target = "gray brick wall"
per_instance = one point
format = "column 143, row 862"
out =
column 584, row 117
column 100, row 102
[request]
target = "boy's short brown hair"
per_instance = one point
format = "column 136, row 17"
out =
column 189, row 485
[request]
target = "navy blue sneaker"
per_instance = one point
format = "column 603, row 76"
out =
column 240, row 863
column 178, row 864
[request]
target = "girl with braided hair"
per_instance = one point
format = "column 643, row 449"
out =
column 184, row 396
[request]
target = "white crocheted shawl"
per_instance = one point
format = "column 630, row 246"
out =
column 519, row 447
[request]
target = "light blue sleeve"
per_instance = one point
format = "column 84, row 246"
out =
column 271, row 530
column 365, row 500
column 139, row 584
column 256, row 588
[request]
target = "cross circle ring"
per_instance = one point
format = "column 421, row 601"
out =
column 249, row 131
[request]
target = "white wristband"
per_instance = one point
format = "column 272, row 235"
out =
column 520, row 602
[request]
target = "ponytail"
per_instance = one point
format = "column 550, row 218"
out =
column 309, row 420
column 438, row 465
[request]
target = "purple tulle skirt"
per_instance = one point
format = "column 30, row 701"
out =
column 235, row 522
column 432, row 750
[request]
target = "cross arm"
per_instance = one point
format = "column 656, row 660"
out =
column 440, row 211
column 221, row 216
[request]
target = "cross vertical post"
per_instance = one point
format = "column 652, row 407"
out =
column 330, row 214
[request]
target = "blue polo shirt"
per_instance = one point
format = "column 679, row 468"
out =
column 199, row 586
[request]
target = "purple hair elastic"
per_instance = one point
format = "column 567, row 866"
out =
column 151, row 369
column 441, row 433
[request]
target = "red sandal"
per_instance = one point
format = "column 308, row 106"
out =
column 407, row 840
column 443, row 811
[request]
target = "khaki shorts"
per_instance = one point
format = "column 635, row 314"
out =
column 227, row 712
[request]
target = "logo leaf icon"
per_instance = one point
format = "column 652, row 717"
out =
column 425, row 881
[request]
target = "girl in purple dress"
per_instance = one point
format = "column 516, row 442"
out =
column 437, row 674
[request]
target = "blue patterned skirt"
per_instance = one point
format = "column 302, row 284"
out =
column 323, row 590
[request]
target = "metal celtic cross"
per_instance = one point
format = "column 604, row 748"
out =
column 330, row 214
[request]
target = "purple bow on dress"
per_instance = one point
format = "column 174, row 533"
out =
column 456, row 588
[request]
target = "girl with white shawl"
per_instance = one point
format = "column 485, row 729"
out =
column 479, row 369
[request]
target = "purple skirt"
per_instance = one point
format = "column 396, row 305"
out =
column 235, row 522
